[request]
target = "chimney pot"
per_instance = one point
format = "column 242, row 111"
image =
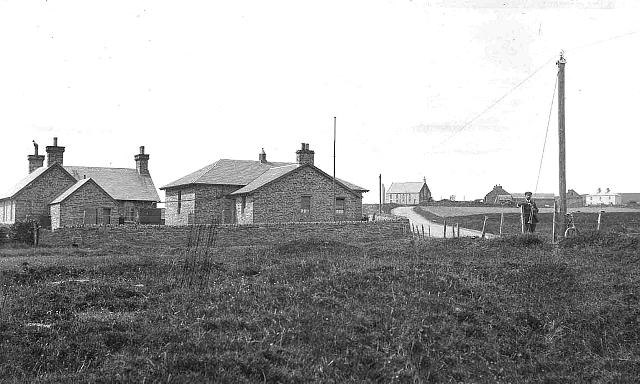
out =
column 55, row 141
column 142, row 150
column 304, row 155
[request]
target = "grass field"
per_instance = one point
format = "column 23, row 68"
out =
column 508, row 310
column 624, row 221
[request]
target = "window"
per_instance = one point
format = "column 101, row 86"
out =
column 340, row 207
column 243, row 204
column 106, row 216
column 305, row 204
column 179, row 201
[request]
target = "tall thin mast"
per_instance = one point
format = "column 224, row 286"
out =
column 334, row 168
column 561, row 144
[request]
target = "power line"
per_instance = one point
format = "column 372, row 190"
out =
column 602, row 41
column 555, row 86
column 468, row 123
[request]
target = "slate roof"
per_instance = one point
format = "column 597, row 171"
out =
column 539, row 195
column 268, row 176
column 73, row 189
column 405, row 187
column 120, row 183
column 26, row 181
column 227, row 172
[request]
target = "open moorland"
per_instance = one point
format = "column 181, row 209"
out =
column 621, row 220
column 513, row 309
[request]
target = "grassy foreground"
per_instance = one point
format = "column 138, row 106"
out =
column 458, row 310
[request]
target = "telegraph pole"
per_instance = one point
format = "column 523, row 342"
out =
column 380, row 193
column 561, row 144
column 334, row 168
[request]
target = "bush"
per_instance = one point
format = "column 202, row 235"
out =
column 22, row 231
column 4, row 235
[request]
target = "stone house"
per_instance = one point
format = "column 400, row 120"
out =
column 84, row 203
column 408, row 193
column 245, row 191
column 132, row 189
column 497, row 195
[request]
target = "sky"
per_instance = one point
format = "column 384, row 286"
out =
column 458, row 92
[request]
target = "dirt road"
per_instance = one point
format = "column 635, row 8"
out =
column 437, row 230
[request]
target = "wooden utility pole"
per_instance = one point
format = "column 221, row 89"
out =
column 380, row 194
column 561, row 144
column 334, row 168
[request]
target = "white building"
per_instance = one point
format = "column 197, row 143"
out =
column 603, row 197
column 408, row 193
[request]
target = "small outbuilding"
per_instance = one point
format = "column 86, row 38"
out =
column 83, row 203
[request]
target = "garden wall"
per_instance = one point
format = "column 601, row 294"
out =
column 227, row 235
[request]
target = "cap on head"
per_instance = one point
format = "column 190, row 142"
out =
column 528, row 194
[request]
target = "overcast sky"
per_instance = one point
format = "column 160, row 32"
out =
column 196, row 81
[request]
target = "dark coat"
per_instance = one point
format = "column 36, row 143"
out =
column 530, row 210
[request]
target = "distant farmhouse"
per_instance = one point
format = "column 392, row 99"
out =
column 246, row 191
column 608, row 197
column 76, row 195
column 499, row 195
column 408, row 193
column 575, row 200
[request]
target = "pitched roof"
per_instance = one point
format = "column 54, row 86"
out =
column 74, row 188
column 11, row 192
column 406, row 187
column 275, row 173
column 268, row 176
column 119, row 183
column 538, row 195
column 352, row 186
column 226, row 172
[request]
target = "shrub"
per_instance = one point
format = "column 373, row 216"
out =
column 22, row 231
column 3, row 235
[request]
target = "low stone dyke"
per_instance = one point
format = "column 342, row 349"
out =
column 160, row 236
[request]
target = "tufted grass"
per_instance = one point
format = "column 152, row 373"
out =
column 458, row 310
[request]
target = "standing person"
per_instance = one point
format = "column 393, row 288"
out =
column 530, row 212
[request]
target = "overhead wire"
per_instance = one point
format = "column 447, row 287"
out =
column 468, row 123
column 544, row 145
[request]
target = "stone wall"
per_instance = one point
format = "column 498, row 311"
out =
column 85, row 206
column 227, row 235
column 188, row 205
column 34, row 199
column 281, row 200
column 213, row 204
column 244, row 216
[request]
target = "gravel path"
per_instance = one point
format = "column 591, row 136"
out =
column 436, row 229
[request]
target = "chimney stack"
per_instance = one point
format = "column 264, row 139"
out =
column 35, row 161
column 304, row 155
column 142, row 162
column 55, row 154
column 262, row 156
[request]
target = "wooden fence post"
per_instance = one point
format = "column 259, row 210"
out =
column 599, row 219
column 422, row 231
column 429, row 230
column 444, row 225
column 553, row 226
column 484, row 226
column 501, row 222
column 522, row 217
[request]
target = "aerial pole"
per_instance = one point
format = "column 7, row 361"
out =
column 561, row 144
column 380, row 194
column 334, row 168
